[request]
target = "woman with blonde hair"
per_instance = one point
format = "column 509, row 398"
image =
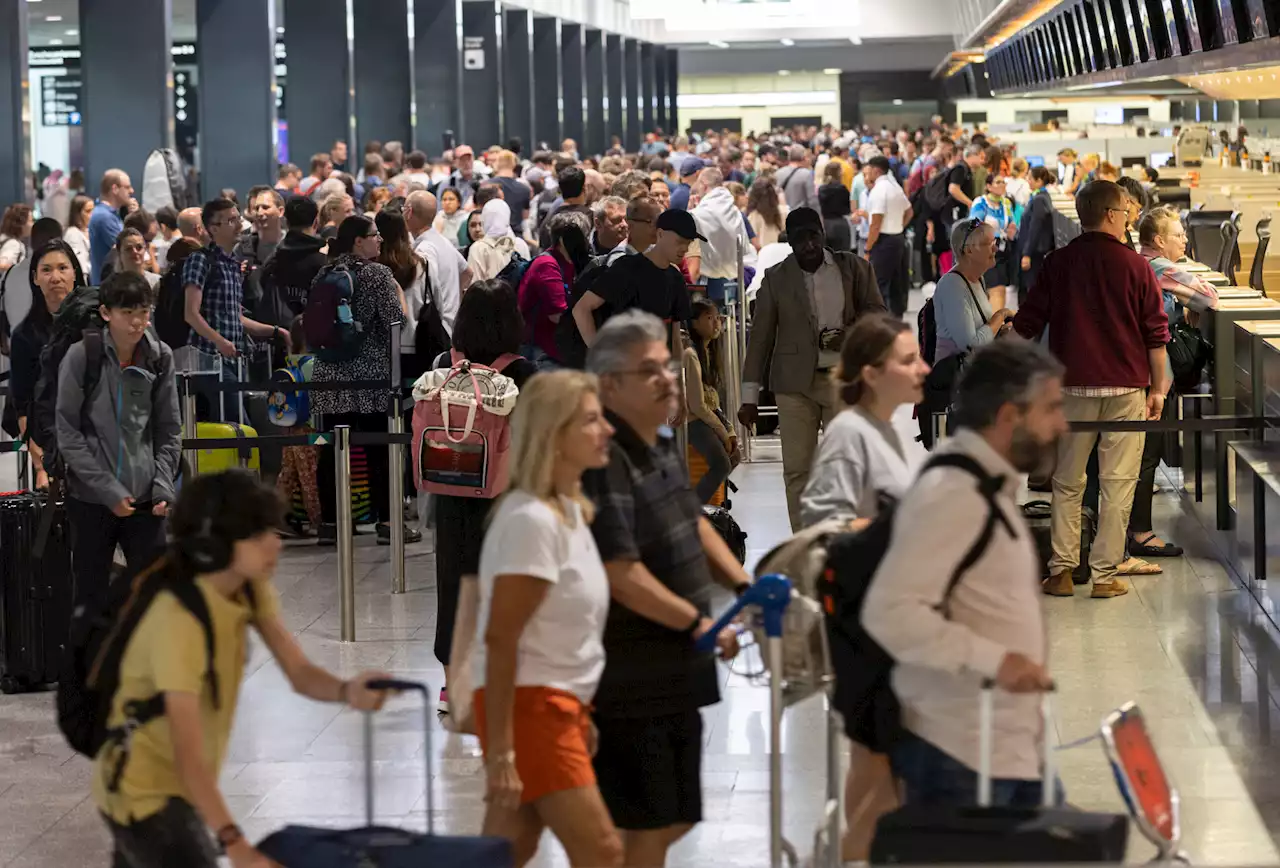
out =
column 544, row 598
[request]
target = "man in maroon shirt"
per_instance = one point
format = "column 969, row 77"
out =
column 1102, row 308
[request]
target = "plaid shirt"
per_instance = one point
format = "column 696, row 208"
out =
column 646, row 511
column 218, row 276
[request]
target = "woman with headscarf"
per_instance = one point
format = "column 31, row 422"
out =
column 490, row 254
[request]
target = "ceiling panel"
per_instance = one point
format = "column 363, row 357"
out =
column 65, row 30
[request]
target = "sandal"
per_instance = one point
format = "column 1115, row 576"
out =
column 1140, row 547
column 1138, row 567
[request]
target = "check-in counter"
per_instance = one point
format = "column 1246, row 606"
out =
column 1271, row 383
column 1219, row 327
column 1251, row 338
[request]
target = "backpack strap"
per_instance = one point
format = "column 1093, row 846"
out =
column 192, row 599
column 502, row 362
column 988, row 486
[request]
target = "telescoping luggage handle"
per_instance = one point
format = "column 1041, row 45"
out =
column 401, row 686
column 986, row 737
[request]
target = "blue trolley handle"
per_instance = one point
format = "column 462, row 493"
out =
column 771, row 593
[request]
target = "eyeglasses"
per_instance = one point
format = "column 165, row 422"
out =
column 377, row 235
column 655, row 372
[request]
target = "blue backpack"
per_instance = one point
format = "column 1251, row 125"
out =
column 329, row 322
column 291, row 409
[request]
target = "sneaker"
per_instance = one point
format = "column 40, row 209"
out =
column 411, row 535
column 1113, row 588
column 327, row 534
column 1059, row 585
column 442, row 704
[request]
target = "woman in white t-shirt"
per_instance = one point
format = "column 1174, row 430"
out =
column 544, row 597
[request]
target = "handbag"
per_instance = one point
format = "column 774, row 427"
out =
column 1189, row 352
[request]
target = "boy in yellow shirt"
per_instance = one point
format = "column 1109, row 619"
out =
column 158, row 789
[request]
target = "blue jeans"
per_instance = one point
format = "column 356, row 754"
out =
column 933, row 778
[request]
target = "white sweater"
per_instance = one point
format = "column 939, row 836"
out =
column 995, row 609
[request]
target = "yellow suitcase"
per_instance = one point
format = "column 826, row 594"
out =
column 218, row 460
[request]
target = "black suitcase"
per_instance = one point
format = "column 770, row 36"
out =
column 728, row 528
column 979, row 833
column 35, row 594
column 1039, row 516
column 381, row 846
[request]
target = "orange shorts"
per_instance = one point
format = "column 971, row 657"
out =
column 551, row 732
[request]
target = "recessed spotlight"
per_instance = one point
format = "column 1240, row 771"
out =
column 719, row 43
column 53, row 18
column 279, row 30
column 55, row 41
column 831, row 70
column 788, row 42
column 784, row 72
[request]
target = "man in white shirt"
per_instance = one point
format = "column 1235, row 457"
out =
column 449, row 273
column 1009, row 408
column 890, row 213
column 722, row 223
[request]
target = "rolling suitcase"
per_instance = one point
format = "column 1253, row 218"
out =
column 218, row 460
column 980, row 833
column 35, row 593
column 306, row 847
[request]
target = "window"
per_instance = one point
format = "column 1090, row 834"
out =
column 973, row 117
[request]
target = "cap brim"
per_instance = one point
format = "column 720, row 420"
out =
column 700, row 237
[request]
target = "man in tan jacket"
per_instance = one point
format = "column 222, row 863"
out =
column 805, row 306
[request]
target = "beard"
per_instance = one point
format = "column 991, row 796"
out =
column 1026, row 452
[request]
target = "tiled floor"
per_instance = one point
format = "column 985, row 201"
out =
column 1193, row 648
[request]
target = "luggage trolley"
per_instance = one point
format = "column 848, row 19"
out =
column 798, row 661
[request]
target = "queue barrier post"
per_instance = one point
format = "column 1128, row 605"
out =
column 395, row 468
column 738, row 337
column 189, row 422
column 682, row 430
column 346, row 540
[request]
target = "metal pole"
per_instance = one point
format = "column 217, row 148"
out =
column 681, row 430
column 739, row 338
column 346, row 542
column 835, row 792
column 395, row 468
column 939, row 428
column 189, row 422
column 775, row 750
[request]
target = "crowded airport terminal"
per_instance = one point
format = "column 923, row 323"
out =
column 647, row 433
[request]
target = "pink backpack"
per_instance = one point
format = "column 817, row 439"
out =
column 462, row 428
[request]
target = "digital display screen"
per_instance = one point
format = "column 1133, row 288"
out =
column 1108, row 114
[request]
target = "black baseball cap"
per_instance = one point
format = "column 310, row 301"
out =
column 679, row 222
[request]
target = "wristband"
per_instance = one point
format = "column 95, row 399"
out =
column 229, row 835
column 693, row 628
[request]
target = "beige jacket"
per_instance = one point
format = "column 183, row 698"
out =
column 995, row 609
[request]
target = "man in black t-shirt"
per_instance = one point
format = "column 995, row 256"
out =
column 516, row 193
column 650, row 281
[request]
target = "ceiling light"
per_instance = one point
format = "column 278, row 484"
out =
column 831, row 70
column 53, row 18
column 55, row 41
column 897, row 102
column 73, row 32
column 717, row 43
column 784, row 72
column 856, row 40
column 279, row 30
column 788, row 42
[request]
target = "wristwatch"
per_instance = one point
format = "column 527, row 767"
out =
column 228, row 836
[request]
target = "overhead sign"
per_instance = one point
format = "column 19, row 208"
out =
column 60, row 100
column 473, row 52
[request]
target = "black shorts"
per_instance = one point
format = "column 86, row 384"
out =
column 649, row 769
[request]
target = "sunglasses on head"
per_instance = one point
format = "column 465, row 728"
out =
column 970, row 228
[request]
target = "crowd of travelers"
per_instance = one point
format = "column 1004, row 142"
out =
column 593, row 289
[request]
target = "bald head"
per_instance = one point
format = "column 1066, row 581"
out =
column 419, row 211
column 191, row 225
column 595, row 186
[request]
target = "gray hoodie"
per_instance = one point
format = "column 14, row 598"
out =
column 127, row 440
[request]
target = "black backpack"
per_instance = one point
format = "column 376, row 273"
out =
column 927, row 329
column 864, row 692
column 96, row 646
column 937, row 193
column 77, row 319
column 171, row 314
column 573, row 349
